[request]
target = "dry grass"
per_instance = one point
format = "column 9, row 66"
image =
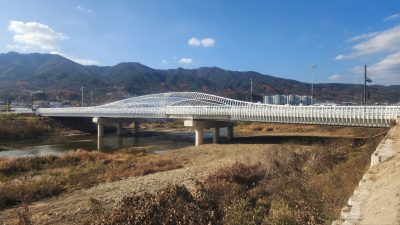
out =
column 298, row 128
column 14, row 127
column 291, row 185
column 32, row 178
column 275, row 127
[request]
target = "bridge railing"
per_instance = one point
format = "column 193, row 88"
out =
column 100, row 112
column 332, row 115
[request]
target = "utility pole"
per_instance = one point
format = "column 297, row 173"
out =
column 251, row 90
column 82, row 95
column 312, row 83
column 91, row 97
column 7, row 105
column 366, row 79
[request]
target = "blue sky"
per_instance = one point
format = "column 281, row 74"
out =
column 278, row 38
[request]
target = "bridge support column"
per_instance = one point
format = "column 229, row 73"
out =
column 199, row 125
column 137, row 126
column 101, row 121
column 215, row 135
column 119, row 129
column 230, row 132
column 199, row 136
column 100, row 130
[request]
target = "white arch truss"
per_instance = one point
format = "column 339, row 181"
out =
column 209, row 106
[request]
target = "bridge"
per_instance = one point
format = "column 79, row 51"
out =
column 199, row 110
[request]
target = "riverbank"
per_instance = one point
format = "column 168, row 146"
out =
column 199, row 162
column 17, row 127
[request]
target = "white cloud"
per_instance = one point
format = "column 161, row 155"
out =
column 357, row 70
column 174, row 57
column 363, row 36
column 164, row 61
column 80, row 61
column 35, row 34
column 205, row 42
column 194, row 41
column 386, row 41
column 185, row 60
column 23, row 48
column 392, row 17
column 340, row 57
column 337, row 77
column 83, row 9
column 386, row 72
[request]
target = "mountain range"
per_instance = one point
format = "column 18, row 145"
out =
column 56, row 75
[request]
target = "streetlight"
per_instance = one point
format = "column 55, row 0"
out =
column 366, row 79
column 251, row 90
column 82, row 95
column 312, row 83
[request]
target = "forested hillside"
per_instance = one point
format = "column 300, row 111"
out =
column 58, row 77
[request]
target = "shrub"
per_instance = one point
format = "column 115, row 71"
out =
column 171, row 205
column 32, row 178
column 294, row 185
column 13, row 127
column 238, row 173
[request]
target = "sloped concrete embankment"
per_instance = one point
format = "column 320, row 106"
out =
column 376, row 199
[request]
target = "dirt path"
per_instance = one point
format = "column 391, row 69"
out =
column 382, row 206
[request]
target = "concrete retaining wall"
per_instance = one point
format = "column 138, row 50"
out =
column 351, row 213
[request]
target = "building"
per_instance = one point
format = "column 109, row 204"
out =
column 287, row 99
column 268, row 99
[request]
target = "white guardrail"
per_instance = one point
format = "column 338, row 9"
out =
column 374, row 116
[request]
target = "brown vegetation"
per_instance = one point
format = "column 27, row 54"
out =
column 13, row 126
column 290, row 185
column 31, row 178
column 275, row 127
column 322, row 129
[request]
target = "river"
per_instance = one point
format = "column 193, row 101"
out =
column 150, row 142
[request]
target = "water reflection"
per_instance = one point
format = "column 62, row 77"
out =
column 156, row 142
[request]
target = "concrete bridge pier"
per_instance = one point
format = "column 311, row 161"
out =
column 101, row 121
column 199, row 125
column 230, row 132
column 215, row 135
column 120, row 131
column 137, row 127
column 100, row 130
column 199, row 136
